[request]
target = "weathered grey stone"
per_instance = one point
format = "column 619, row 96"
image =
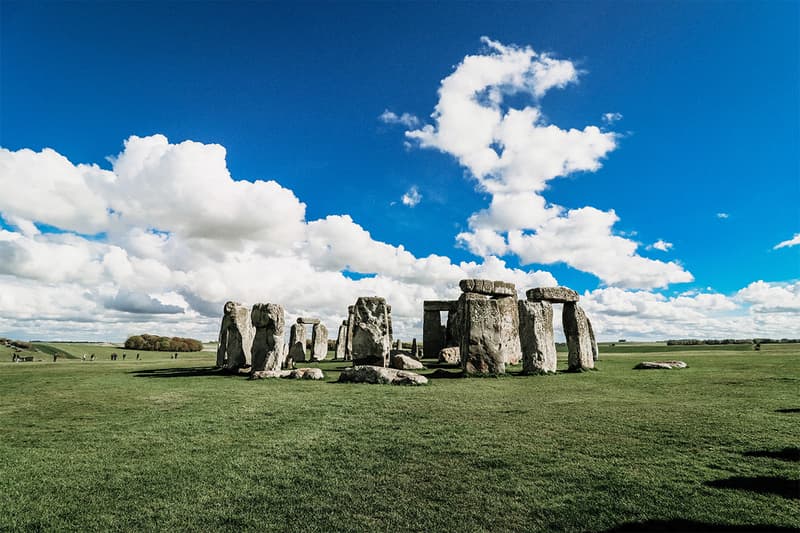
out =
column 319, row 342
column 307, row 321
column 450, row 356
column 660, row 365
column 298, row 373
column 488, row 287
column 432, row 338
column 306, row 373
column 559, row 295
column 348, row 349
column 405, row 362
column 482, row 350
column 536, row 337
column 579, row 342
column 389, row 321
column 509, row 330
column 595, row 349
column 267, row 350
column 341, row 341
column 439, row 305
column 235, row 337
column 297, row 345
column 380, row 375
column 372, row 340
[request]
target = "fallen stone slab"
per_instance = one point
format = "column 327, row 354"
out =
column 380, row 375
column 298, row 373
column 405, row 362
column 557, row 295
column 488, row 287
column 451, row 355
column 660, row 365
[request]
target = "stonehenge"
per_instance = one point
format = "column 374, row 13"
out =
column 486, row 330
column 235, row 337
column 372, row 339
column 267, row 351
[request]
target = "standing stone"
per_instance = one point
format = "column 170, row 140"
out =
column 319, row 342
column 341, row 341
column 389, row 320
column 348, row 347
column 297, row 343
column 432, row 335
column 268, row 351
column 509, row 329
column 595, row 350
column 414, row 349
column 579, row 343
column 481, row 345
column 372, row 341
column 452, row 335
column 536, row 337
column 235, row 337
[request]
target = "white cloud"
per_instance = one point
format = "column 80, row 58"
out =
column 179, row 236
column 405, row 119
column 610, row 118
column 723, row 215
column 513, row 153
column 794, row 241
column 412, row 197
column 661, row 244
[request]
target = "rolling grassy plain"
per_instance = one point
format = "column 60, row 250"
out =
column 164, row 444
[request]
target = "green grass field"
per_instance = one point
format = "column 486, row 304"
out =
column 163, row 444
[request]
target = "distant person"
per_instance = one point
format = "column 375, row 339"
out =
column 123, row 357
column 91, row 357
column 137, row 356
column 83, row 358
column 55, row 357
column 176, row 355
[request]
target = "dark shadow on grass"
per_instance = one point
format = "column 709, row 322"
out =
column 441, row 373
column 787, row 488
column 787, row 454
column 692, row 526
column 788, row 410
column 190, row 372
column 440, row 365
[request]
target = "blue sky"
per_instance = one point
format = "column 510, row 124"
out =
column 708, row 93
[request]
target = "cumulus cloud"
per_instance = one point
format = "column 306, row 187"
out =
column 405, row 119
column 794, row 241
column 723, row 215
column 412, row 197
column 660, row 244
column 513, row 152
column 169, row 233
column 610, row 118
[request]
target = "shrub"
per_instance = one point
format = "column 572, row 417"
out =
column 164, row 344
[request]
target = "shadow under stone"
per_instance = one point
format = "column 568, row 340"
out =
column 787, row 488
column 787, row 454
column 180, row 372
column 788, row 410
column 441, row 373
column 692, row 526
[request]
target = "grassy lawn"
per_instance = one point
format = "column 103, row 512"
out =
column 163, row 444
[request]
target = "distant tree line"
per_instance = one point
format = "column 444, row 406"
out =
column 163, row 344
column 692, row 342
column 16, row 344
